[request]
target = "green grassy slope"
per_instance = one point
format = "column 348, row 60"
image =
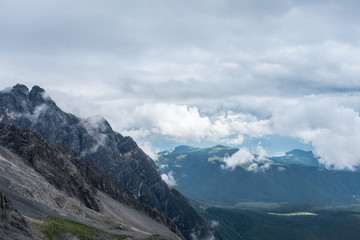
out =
column 54, row 227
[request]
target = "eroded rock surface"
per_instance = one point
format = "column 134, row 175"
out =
column 12, row 223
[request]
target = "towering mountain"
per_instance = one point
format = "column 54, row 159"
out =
column 95, row 140
column 46, row 180
column 202, row 175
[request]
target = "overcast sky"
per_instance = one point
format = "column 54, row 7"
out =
column 168, row 72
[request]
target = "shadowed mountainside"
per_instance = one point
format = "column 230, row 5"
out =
column 95, row 140
column 68, row 172
column 12, row 223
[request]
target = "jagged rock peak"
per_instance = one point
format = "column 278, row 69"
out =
column 36, row 95
column 20, row 88
column 37, row 90
column 107, row 149
column 39, row 96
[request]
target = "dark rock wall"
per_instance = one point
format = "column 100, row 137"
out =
column 12, row 223
column 94, row 139
column 71, row 173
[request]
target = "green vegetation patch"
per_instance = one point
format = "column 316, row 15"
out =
column 215, row 158
column 219, row 148
column 180, row 157
column 259, row 205
column 53, row 227
column 294, row 214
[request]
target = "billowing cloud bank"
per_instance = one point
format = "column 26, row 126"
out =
column 244, row 158
column 331, row 128
column 217, row 71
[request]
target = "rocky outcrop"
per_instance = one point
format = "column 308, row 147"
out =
column 71, row 173
column 51, row 162
column 12, row 223
column 95, row 140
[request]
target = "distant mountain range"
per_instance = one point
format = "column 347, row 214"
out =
column 300, row 157
column 297, row 177
column 94, row 139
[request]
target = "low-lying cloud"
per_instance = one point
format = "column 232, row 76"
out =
column 183, row 123
column 329, row 123
column 95, row 127
column 333, row 130
column 38, row 111
column 169, row 179
column 244, row 158
column 205, row 71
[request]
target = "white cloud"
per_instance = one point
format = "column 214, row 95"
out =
column 33, row 117
column 332, row 129
column 149, row 149
column 196, row 70
column 169, row 179
column 261, row 152
column 238, row 140
column 270, row 69
column 240, row 123
column 177, row 121
column 184, row 123
column 281, row 169
column 257, row 167
column 119, row 50
column 243, row 156
column 137, row 134
column 95, row 126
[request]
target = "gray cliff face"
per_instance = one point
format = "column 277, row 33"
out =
column 95, row 140
column 71, row 173
column 12, row 223
column 51, row 162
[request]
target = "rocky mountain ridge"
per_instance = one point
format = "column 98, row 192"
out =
column 53, row 175
column 96, row 141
